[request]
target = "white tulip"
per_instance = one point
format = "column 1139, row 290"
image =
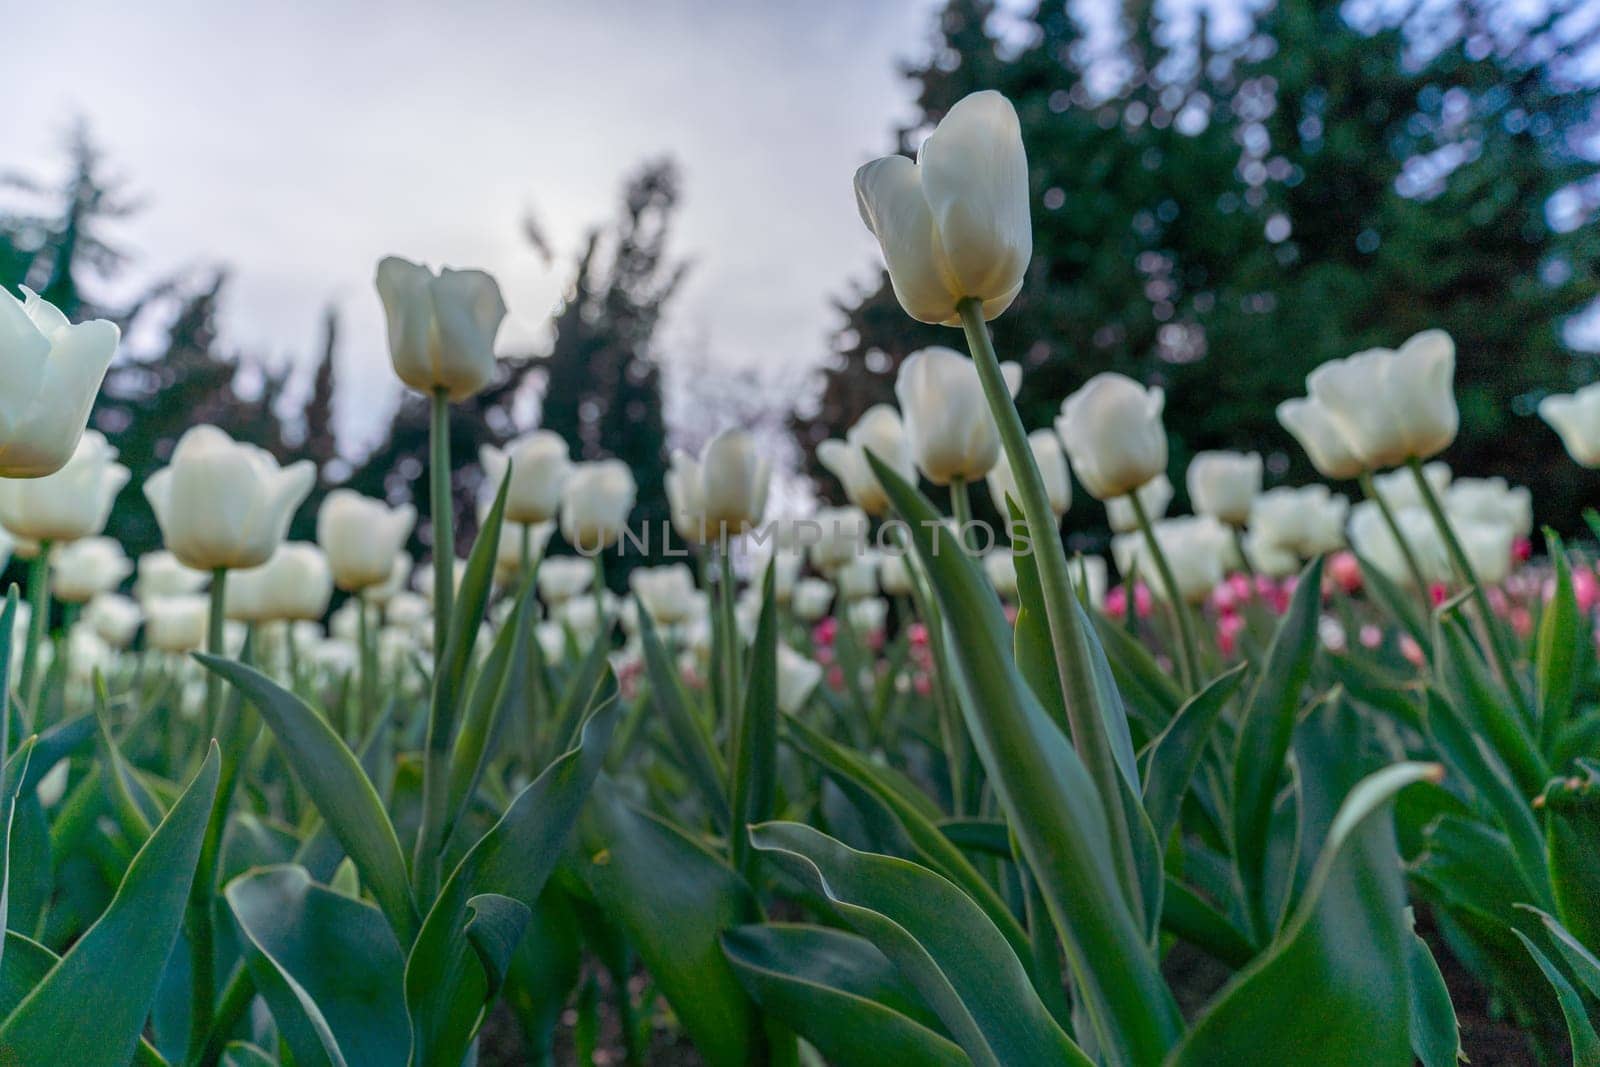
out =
column 441, row 326
column 667, row 592
column 1269, row 557
column 1112, row 431
column 595, row 504
column 1399, row 488
column 1391, row 406
column 894, row 574
column 563, row 577
column 1372, row 540
column 425, row 579
column 842, row 537
column 798, row 677
column 857, row 578
column 160, row 574
column 296, row 583
column 1491, row 500
column 224, row 504
column 362, row 538
column 880, row 430
column 399, row 577
column 785, row 564
column 86, row 568
column 811, row 599
column 539, row 465
column 1051, row 460
column 408, row 610
column 1155, row 495
column 1001, row 567
column 955, row 224
column 73, row 502
column 176, row 623
column 868, row 615
column 115, row 618
column 1308, row 521
column 1324, row 443
column 1576, row 418
column 508, row 554
column 1196, row 548
column 1224, row 485
column 949, row 429
column 52, row 372
column 345, row 622
column 335, row 656
column 1089, row 573
column 723, row 493
column 1487, row 546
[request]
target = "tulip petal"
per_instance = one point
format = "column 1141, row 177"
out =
column 890, row 198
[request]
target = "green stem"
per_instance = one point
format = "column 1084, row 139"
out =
column 38, row 622
column 1067, row 639
column 444, row 537
column 1244, row 556
column 202, row 954
column 365, row 706
column 1188, row 652
column 1406, row 552
column 728, row 669
column 961, row 508
column 1493, row 635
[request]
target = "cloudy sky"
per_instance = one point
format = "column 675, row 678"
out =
column 300, row 143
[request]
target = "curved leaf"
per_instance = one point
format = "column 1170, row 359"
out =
column 1172, row 757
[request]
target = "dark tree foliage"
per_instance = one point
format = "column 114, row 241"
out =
column 1225, row 220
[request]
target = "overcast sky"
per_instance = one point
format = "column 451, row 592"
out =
column 299, row 143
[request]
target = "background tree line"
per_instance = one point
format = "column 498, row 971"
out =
column 1221, row 219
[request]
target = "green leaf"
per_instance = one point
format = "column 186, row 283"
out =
column 755, row 767
column 939, row 939
column 111, row 973
column 446, row 985
column 1580, row 959
column 1402, row 605
column 1435, row 1033
column 1556, row 662
column 1053, row 806
column 1343, row 950
column 244, row 1054
column 10, row 781
column 1264, row 738
column 696, row 749
column 1571, row 809
column 466, row 619
column 26, row 963
column 1585, row 1042
column 495, row 926
column 327, row 965
column 1464, row 675
column 933, row 847
column 1189, row 916
column 333, row 778
column 1172, row 758
column 1153, row 692
column 674, row 898
column 841, row 994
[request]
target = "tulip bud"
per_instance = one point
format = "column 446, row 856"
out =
column 508, row 555
column 811, row 599
column 399, row 577
column 949, row 428
column 160, row 574
column 1487, row 546
column 1491, row 500
column 73, row 502
column 563, row 577
column 296, row 583
column 1308, row 521
column 1391, row 406
column 797, row 679
column 176, row 623
column 1196, row 547
column 1375, row 544
column 894, row 574
column 1399, row 488
column 667, row 593
column 842, row 537
column 224, row 504
column 1112, row 431
column 880, row 431
column 441, row 327
column 857, row 578
column 1224, row 485
column 1269, row 557
column 1052, row 464
column 868, row 616
column 539, row 466
column 955, row 224
column 1155, row 495
column 114, row 617
column 595, row 504
column 1320, row 437
column 1576, row 418
column 52, row 370
column 86, row 568
column 724, row 493
column 362, row 538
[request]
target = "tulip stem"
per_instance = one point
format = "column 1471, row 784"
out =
column 38, row 620
column 444, row 537
column 1244, row 556
column 1188, row 653
column 1067, row 636
column 961, row 508
column 1493, row 636
column 1406, row 553
column 729, row 667
column 365, row 706
column 202, row 953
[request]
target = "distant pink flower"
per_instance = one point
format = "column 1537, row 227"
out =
column 1117, row 602
column 1228, row 630
column 1522, row 550
column 1239, row 585
column 1371, row 636
column 1345, row 571
column 1522, row 621
column 917, row 633
column 1411, row 650
column 922, row 683
column 1438, row 593
column 824, row 632
column 835, row 678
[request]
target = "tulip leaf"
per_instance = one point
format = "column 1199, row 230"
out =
column 1186, row 914
column 1580, row 960
column 343, row 794
column 696, row 748
column 755, row 766
column 1585, row 1042
column 939, row 939
column 1435, row 1032
column 673, row 898
column 54, row 745
column 10, row 781
column 1463, row 674
column 1171, row 759
column 495, row 927
column 1401, row 604
column 1571, row 809
column 111, row 973
column 485, row 701
column 1265, row 733
column 933, row 847
column 1343, row 949
column 1557, row 656
column 1153, row 692
column 841, row 994
column 446, row 985
column 244, row 1054
column 1052, row 804
column 327, row 965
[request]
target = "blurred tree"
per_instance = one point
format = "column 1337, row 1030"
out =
column 1219, row 218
